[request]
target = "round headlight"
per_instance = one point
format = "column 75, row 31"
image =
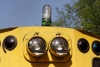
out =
column 59, row 47
column 83, row 45
column 37, row 46
column 10, row 42
column 96, row 47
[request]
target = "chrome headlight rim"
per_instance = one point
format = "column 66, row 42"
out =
column 63, row 52
column 33, row 53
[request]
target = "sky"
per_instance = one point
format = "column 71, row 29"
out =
column 15, row 13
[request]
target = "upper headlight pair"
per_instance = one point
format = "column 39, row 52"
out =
column 58, row 46
column 37, row 46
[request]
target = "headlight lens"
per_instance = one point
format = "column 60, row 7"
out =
column 37, row 46
column 96, row 47
column 10, row 42
column 59, row 46
column 83, row 45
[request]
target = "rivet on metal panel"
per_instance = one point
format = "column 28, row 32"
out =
column 68, row 39
column 27, row 39
column 37, row 33
column 58, row 34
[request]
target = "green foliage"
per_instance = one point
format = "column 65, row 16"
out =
column 89, row 13
column 83, row 14
column 67, row 17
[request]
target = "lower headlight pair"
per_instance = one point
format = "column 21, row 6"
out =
column 58, row 46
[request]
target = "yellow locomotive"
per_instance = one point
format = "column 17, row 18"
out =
column 46, row 46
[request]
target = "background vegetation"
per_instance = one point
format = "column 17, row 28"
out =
column 83, row 14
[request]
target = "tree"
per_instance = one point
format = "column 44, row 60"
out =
column 89, row 13
column 67, row 17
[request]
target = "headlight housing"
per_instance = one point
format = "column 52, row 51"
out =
column 59, row 47
column 37, row 46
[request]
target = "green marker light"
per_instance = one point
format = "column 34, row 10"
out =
column 46, row 15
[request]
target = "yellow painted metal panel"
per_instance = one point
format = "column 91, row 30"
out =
column 84, row 59
column 19, row 57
